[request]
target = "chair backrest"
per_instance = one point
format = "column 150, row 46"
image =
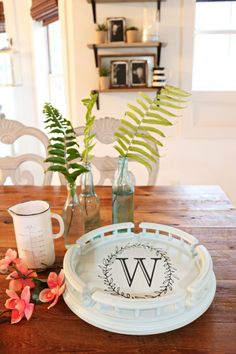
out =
column 14, row 166
column 105, row 129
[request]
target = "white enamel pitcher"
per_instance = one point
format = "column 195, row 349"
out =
column 33, row 230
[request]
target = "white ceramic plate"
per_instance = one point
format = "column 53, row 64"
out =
column 151, row 282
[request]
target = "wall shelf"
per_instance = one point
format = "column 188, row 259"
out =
column 113, row 45
column 94, row 2
column 129, row 89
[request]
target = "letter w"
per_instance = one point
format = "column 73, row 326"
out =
column 139, row 263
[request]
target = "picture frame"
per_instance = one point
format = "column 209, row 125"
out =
column 104, row 60
column 116, row 29
column 138, row 73
column 119, row 73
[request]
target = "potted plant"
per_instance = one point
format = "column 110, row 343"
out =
column 104, row 78
column 101, row 33
column 132, row 34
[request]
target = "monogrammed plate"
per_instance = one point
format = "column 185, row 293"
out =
column 151, row 282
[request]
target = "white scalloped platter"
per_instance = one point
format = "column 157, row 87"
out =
column 151, row 282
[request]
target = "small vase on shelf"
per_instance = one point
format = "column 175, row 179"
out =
column 73, row 216
column 89, row 200
column 122, row 194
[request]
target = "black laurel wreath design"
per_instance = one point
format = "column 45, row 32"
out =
column 115, row 290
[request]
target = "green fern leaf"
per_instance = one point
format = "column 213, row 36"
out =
column 169, row 98
column 166, row 104
column 56, row 159
column 147, row 146
column 123, row 146
column 128, row 124
column 179, row 91
column 120, row 151
column 137, row 110
column 140, row 160
column 56, row 152
column 122, row 137
column 57, row 131
column 125, row 131
column 56, row 146
column 155, row 122
column 146, row 97
column 58, row 168
column 150, row 138
column 142, row 152
column 133, row 116
column 162, row 110
column 152, row 129
column 142, row 104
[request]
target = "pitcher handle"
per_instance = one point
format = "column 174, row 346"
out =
column 61, row 224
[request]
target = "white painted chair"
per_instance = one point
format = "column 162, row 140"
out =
column 105, row 129
column 20, row 168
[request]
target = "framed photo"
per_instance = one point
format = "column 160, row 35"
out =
column 116, row 29
column 138, row 73
column 150, row 58
column 119, row 73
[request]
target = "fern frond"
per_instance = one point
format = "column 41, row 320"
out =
column 63, row 148
column 143, row 120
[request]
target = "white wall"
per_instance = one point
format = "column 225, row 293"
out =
column 195, row 152
column 187, row 158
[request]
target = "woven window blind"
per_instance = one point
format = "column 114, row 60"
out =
column 2, row 18
column 45, row 11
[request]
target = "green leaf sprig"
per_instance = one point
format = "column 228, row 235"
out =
column 63, row 150
column 88, row 136
column 140, row 127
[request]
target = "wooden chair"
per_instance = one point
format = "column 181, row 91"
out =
column 15, row 166
column 105, row 129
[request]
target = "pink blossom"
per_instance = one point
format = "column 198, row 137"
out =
column 20, row 306
column 17, row 279
column 56, row 288
column 10, row 257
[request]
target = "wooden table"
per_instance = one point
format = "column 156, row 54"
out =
column 204, row 211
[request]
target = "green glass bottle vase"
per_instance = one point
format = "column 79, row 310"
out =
column 89, row 200
column 122, row 194
column 73, row 216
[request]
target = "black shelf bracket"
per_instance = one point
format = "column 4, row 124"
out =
column 159, row 54
column 97, row 102
column 93, row 3
column 159, row 9
column 95, row 51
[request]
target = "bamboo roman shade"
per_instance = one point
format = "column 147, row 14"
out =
column 45, row 11
column 2, row 18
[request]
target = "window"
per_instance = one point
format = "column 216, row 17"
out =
column 56, row 82
column 214, row 66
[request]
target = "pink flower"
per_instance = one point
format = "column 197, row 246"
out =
column 56, row 288
column 20, row 306
column 18, row 280
column 10, row 257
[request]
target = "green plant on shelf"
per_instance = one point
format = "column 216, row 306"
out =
column 101, row 27
column 104, row 71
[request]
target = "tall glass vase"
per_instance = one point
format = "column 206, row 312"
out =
column 89, row 201
column 122, row 194
column 73, row 216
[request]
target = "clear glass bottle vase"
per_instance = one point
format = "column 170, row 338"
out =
column 73, row 216
column 122, row 194
column 89, row 200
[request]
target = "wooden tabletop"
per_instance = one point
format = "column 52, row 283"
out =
column 203, row 211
